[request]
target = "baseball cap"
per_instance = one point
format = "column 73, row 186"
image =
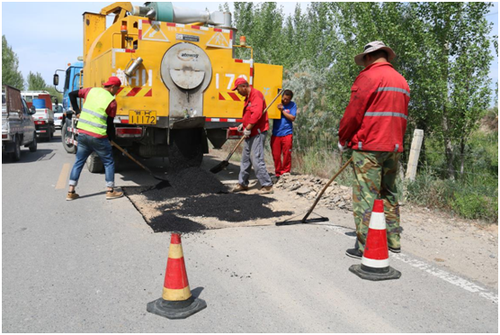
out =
column 238, row 82
column 113, row 81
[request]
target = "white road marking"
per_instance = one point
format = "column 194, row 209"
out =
column 438, row 273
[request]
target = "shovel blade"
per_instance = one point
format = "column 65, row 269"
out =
column 219, row 167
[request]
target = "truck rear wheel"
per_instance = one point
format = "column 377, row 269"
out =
column 16, row 155
column 70, row 148
column 186, row 148
column 33, row 145
column 94, row 163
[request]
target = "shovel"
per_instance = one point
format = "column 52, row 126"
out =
column 222, row 165
column 320, row 219
column 164, row 181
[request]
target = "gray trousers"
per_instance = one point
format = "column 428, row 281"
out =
column 253, row 154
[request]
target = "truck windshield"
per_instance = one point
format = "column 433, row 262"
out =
column 66, row 81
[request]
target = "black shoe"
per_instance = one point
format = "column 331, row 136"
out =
column 395, row 250
column 354, row 253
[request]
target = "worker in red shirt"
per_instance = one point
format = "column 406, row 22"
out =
column 95, row 125
column 255, row 125
column 373, row 125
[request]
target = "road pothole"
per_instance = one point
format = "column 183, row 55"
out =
column 197, row 201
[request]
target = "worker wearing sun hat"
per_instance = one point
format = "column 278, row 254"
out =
column 95, row 127
column 373, row 126
column 255, row 126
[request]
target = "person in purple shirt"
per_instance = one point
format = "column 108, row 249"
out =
column 282, row 138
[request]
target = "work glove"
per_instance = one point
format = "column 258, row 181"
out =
column 240, row 127
column 246, row 133
column 342, row 148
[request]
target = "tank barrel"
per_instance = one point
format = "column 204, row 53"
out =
column 165, row 12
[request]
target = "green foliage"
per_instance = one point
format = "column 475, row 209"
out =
column 10, row 63
column 443, row 51
column 36, row 82
column 54, row 93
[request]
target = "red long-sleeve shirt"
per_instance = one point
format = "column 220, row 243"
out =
column 376, row 117
column 252, row 112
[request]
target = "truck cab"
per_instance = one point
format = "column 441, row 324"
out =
column 18, row 127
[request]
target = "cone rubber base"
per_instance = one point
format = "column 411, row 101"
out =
column 176, row 309
column 359, row 270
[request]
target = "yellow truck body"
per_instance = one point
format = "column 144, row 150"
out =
column 182, row 75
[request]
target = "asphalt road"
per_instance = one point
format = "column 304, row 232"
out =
column 92, row 265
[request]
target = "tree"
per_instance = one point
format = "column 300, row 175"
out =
column 457, row 46
column 10, row 63
column 36, row 82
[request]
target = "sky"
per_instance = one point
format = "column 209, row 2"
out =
column 48, row 35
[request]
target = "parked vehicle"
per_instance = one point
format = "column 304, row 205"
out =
column 58, row 115
column 44, row 116
column 18, row 127
column 177, row 70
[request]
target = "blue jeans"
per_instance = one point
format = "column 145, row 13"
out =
column 86, row 145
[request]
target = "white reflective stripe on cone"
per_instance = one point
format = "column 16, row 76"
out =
column 375, row 263
column 377, row 221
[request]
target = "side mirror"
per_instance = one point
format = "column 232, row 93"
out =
column 32, row 110
column 56, row 79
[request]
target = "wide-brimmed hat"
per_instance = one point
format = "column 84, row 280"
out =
column 113, row 81
column 374, row 46
column 238, row 82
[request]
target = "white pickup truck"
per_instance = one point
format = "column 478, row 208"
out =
column 44, row 123
column 18, row 127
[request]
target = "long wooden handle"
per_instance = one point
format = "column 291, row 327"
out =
column 272, row 102
column 235, row 147
column 130, row 156
column 324, row 189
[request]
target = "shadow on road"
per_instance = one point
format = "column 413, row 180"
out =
column 30, row 157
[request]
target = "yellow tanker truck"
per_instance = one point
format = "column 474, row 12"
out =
column 177, row 68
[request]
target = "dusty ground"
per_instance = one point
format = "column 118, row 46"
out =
column 199, row 200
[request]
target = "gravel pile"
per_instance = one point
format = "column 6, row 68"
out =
column 335, row 197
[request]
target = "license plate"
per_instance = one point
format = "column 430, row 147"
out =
column 142, row 117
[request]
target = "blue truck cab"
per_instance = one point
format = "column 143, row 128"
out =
column 72, row 82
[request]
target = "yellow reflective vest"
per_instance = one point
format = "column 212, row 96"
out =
column 93, row 116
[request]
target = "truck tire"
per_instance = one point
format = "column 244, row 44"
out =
column 16, row 155
column 33, row 145
column 186, row 148
column 70, row 148
column 94, row 163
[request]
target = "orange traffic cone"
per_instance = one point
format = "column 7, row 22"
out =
column 177, row 302
column 375, row 261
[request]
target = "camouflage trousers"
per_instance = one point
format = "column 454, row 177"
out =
column 375, row 178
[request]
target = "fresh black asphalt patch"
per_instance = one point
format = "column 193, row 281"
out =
column 195, row 193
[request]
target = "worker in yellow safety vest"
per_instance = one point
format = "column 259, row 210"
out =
column 95, row 130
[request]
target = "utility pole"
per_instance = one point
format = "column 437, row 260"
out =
column 416, row 145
